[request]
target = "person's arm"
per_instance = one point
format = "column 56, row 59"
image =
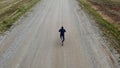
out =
column 59, row 30
column 65, row 30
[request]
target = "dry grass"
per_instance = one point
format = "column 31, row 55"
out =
column 115, row 0
column 11, row 10
column 108, row 28
column 110, row 8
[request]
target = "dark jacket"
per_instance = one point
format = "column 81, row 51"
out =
column 62, row 31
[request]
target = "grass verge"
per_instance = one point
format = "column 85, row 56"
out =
column 9, row 20
column 109, row 29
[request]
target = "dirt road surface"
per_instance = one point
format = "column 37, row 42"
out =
column 35, row 42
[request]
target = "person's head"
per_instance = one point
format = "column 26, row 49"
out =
column 62, row 27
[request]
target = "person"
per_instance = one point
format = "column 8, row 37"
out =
column 62, row 33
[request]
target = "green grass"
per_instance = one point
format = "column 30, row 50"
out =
column 102, row 22
column 13, row 13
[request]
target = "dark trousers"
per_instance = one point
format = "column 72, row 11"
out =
column 62, row 37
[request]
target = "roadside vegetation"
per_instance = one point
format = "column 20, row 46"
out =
column 111, row 9
column 108, row 8
column 11, row 10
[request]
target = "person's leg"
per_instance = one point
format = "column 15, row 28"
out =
column 63, row 38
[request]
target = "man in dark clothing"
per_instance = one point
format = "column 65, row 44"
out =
column 62, row 33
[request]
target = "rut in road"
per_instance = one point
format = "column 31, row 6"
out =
column 35, row 42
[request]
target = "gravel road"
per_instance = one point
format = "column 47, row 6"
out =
column 35, row 42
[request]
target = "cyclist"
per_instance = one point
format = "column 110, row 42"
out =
column 62, row 34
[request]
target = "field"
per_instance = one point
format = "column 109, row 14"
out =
column 115, row 0
column 100, row 9
column 110, row 8
column 11, row 10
